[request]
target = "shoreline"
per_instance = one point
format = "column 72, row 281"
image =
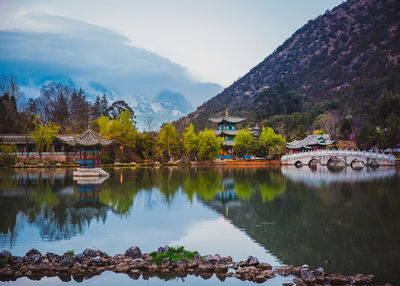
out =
column 133, row 262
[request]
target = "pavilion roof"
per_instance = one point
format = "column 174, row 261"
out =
column 310, row 140
column 229, row 119
column 89, row 138
column 226, row 132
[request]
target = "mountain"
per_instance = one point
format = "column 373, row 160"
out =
column 343, row 64
column 100, row 61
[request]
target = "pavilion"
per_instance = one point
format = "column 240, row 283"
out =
column 310, row 143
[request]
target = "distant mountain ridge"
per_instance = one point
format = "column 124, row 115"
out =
column 344, row 60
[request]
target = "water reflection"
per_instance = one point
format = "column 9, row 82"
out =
column 347, row 217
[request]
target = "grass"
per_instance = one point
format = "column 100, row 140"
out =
column 3, row 261
column 174, row 254
column 69, row 254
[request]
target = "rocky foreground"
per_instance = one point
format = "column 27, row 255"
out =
column 91, row 262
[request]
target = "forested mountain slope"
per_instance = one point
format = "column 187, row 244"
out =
column 343, row 64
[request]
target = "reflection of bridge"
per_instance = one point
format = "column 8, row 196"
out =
column 323, row 176
column 349, row 157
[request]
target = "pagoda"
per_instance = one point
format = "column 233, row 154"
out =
column 227, row 130
column 89, row 147
column 310, row 143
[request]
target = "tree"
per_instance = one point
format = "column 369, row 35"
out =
column 328, row 121
column 392, row 135
column 239, row 150
column 31, row 122
column 8, row 157
column 257, row 149
column 190, row 141
column 243, row 137
column 120, row 129
column 345, row 129
column 95, row 109
column 168, row 141
column 117, row 108
column 44, row 136
column 319, row 132
column 300, row 133
column 272, row 141
column 149, row 123
column 103, row 105
column 209, row 145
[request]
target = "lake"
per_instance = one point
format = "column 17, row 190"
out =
column 345, row 220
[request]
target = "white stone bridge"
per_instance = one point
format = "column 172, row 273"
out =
column 349, row 157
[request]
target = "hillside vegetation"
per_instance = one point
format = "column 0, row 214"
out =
column 341, row 68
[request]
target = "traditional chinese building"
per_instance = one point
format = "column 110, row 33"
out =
column 89, row 146
column 227, row 130
column 310, row 143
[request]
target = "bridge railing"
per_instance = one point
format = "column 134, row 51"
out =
column 339, row 152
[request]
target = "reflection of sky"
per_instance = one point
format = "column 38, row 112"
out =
column 152, row 223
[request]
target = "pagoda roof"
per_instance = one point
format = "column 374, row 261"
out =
column 226, row 132
column 89, row 138
column 230, row 119
column 310, row 140
column 228, row 143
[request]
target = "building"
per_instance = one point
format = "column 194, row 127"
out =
column 64, row 148
column 227, row 130
column 310, row 143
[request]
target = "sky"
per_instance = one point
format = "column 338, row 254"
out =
column 215, row 41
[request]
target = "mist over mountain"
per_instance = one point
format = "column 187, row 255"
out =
column 100, row 61
column 343, row 64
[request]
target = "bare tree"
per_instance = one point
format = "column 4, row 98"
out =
column 329, row 121
column 149, row 123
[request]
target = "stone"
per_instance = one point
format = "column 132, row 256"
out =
column 287, row 284
column 339, row 279
column 260, row 279
column 285, row 270
column 268, row 273
column 66, row 262
column 264, row 266
column 220, row 267
column 307, row 276
column 212, row 258
column 228, row 259
column 205, row 266
column 90, row 252
column 79, row 258
column 182, row 263
column 165, row 262
column 133, row 252
column 32, row 252
column 36, row 259
column 299, row 282
column 252, row 261
column 319, row 274
column 296, row 270
column 162, row 249
column 357, row 279
column 192, row 264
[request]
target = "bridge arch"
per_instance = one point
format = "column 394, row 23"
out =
column 314, row 162
column 355, row 164
column 336, row 160
column 298, row 164
column 374, row 164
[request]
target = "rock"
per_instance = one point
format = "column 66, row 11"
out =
column 133, row 252
column 165, row 262
column 79, row 258
column 285, row 270
column 205, row 266
column 35, row 259
column 182, row 263
column 319, row 274
column 260, row 279
column 97, row 261
column 53, row 257
column 192, row 264
column 228, row 259
column 252, row 261
column 264, row 266
column 287, row 284
column 370, row 278
column 122, row 267
column 32, row 252
column 299, row 282
column 90, row 252
column 268, row 273
column 307, row 276
column 152, row 267
column 212, row 258
column 162, row 249
column 357, row 279
column 338, row 279
column 296, row 270
column 66, row 262
column 221, row 267
column 305, row 266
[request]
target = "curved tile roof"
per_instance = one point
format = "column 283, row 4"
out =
column 323, row 140
column 89, row 138
column 226, row 132
column 230, row 119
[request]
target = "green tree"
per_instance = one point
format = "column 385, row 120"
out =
column 190, row 141
column 44, row 136
column 392, row 135
column 120, row 129
column 319, row 132
column 257, row 149
column 300, row 133
column 243, row 137
column 272, row 141
column 8, row 158
column 209, row 145
column 239, row 150
column 167, row 141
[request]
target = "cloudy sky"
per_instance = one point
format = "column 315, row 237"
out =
column 210, row 40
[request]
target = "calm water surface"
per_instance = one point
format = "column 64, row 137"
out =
column 345, row 221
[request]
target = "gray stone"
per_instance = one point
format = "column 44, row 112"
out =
column 66, row 262
column 32, row 252
column 133, row 252
column 90, row 252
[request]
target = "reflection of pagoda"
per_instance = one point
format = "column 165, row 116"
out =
column 227, row 130
column 228, row 193
column 89, row 190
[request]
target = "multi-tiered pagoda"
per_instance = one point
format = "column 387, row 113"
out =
column 227, row 130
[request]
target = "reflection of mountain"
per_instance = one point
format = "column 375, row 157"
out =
column 322, row 176
column 355, row 224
